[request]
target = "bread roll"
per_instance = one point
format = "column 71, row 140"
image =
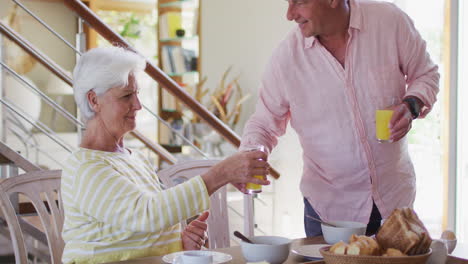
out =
column 339, row 248
column 393, row 252
column 363, row 245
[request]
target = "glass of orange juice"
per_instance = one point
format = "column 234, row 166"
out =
column 383, row 115
column 252, row 187
column 382, row 120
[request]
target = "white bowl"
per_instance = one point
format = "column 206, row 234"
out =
column 343, row 231
column 450, row 243
column 272, row 249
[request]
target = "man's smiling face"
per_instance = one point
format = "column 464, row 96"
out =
column 310, row 15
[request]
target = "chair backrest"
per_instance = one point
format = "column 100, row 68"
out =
column 9, row 156
column 218, row 223
column 39, row 187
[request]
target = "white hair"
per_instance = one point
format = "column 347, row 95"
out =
column 99, row 70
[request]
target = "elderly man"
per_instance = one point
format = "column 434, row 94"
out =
column 344, row 60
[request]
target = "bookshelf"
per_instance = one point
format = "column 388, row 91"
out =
column 175, row 52
column 141, row 8
column 178, row 49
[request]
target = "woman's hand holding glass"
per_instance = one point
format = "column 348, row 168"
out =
column 244, row 186
column 239, row 169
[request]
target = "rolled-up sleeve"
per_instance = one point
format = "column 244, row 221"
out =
column 422, row 74
column 272, row 111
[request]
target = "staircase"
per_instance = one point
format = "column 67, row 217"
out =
column 29, row 143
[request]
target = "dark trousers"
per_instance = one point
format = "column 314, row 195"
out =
column 313, row 228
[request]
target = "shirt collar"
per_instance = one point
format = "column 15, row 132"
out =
column 355, row 22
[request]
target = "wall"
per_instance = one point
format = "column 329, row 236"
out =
column 243, row 33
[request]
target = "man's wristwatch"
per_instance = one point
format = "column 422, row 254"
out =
column 413, row 106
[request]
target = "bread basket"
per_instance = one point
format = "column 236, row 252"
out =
column 331, row 258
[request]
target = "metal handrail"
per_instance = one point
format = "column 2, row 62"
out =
column 35, row 53
column 46, row 26
column 158, row 75
column 35, row 124
column 156, row 148
column 186, row 140
column 34, row 144
column 170, row 85
column 154, row 72
column 57, row 70
column 51, row 102
column 24, row 139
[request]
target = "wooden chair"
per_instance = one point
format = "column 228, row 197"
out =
column 39, row 187
column 218, row 223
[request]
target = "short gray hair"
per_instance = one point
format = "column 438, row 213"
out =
column 99, row 70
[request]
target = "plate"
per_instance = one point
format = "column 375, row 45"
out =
column 311, row 252
column 218, row 257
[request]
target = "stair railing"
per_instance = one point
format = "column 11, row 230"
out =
column 158, row 75
column 153, row 71
column 59, row 72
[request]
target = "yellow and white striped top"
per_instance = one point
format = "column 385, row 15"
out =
column 116, row 208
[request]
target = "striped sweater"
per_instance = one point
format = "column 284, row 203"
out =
column 116, row 208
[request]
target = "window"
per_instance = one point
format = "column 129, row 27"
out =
column 462, row 124
column 426, row 140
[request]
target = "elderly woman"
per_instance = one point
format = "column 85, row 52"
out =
column 115, row 206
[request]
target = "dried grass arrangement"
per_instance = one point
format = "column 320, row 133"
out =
column 225, row 102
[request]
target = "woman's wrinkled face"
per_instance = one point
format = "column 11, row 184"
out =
column 119, row 106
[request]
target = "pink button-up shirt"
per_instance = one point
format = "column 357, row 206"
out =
column 332, row 109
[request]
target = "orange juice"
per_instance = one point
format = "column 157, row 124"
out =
column 254, row 188
column 382, row 120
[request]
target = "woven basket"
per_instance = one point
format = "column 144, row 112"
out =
column 331, row 258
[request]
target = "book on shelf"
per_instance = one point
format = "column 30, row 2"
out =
column 169, row 23
column 166, row 60
column 176, row 59
column 195, row 22
column 190, row 60
column 168, row 100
